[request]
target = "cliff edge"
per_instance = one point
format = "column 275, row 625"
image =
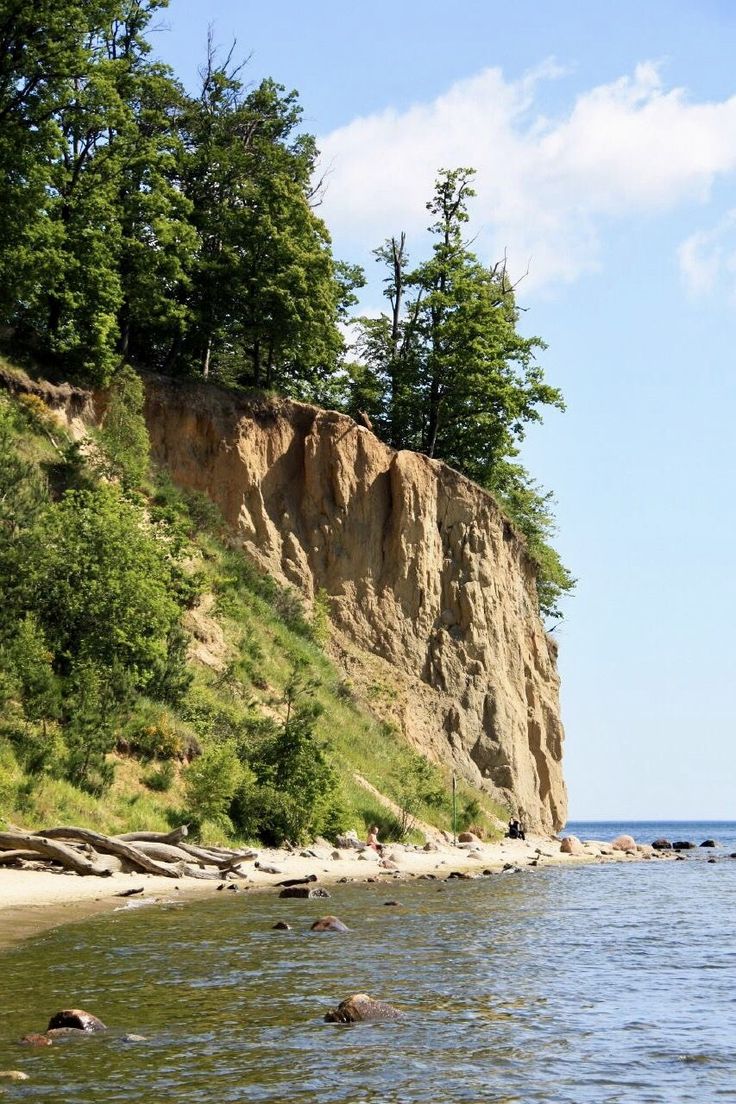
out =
column 422, row 570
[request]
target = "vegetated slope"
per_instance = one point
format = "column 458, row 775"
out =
column 226, row 710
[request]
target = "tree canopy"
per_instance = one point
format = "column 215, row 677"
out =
column 140, row 221
column 446, row 372
column 178, row 231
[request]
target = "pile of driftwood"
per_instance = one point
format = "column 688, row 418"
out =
column 87, row 852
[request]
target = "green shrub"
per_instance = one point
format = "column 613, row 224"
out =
column 420, row 785
column 100, row 586
column 211, row 783
column 161, row 779
column 153, row 731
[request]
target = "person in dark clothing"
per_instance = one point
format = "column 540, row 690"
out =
column 516, row 830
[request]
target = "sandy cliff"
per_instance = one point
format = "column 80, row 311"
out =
column 422, row 571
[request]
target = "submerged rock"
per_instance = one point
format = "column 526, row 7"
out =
column 65, row 1024
column 36, row 1039
column 329, row 923
column 360, row 1008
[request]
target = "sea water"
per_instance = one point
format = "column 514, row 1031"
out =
column 606, row 983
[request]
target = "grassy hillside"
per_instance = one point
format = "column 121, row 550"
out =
column 149, row 673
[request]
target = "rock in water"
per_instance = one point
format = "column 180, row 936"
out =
column 662, row 844
column 360, row 1008
column 76, row 1019
column 35, row 1038
column 303, row 891
column 329, row 923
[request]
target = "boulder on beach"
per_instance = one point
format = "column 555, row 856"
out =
column 361, row 1008
column 348, row 840
column 662, row 844
column 624, row 843
column 468, row 837
column 683, row 845
column 571, row 845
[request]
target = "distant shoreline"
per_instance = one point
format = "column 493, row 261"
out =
column 33, row 901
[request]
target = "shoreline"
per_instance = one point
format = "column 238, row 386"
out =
column 34, row 901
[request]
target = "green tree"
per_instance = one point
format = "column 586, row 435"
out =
column 102, row 587
column 124, row 436
column 212, row 782
column 92, row 704
column 82, row 112
column 28, row 657
column 293, row 791
column 447, row 372
column 420, row 785
column 266, row 293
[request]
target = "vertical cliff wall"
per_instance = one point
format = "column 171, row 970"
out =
column 422, row 570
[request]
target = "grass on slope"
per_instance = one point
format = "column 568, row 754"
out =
column 263, row 635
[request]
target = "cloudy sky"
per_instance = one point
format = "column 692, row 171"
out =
column 604, row 139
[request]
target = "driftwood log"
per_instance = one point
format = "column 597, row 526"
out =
column 87, row 852
column 108, row 845
column 174, row 837
column 67, row 856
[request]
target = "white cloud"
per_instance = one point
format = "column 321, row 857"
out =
column 708, row 258
column 544, row 185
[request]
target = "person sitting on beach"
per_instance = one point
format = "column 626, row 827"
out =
column 372, row 840
column 513, row 832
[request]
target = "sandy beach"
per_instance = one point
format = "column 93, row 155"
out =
column 32, row 901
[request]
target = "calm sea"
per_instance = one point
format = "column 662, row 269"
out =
column 612, row 983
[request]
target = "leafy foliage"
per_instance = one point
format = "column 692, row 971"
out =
column 447, row 372
column 124, row 435
column 142, row 222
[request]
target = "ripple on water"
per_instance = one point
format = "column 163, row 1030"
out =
column 602, row 985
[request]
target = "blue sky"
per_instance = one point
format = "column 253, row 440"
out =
column 605, row 142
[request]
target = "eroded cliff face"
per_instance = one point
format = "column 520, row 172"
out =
column 428, row 584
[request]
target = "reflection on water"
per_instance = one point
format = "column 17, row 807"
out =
column 599, row 984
